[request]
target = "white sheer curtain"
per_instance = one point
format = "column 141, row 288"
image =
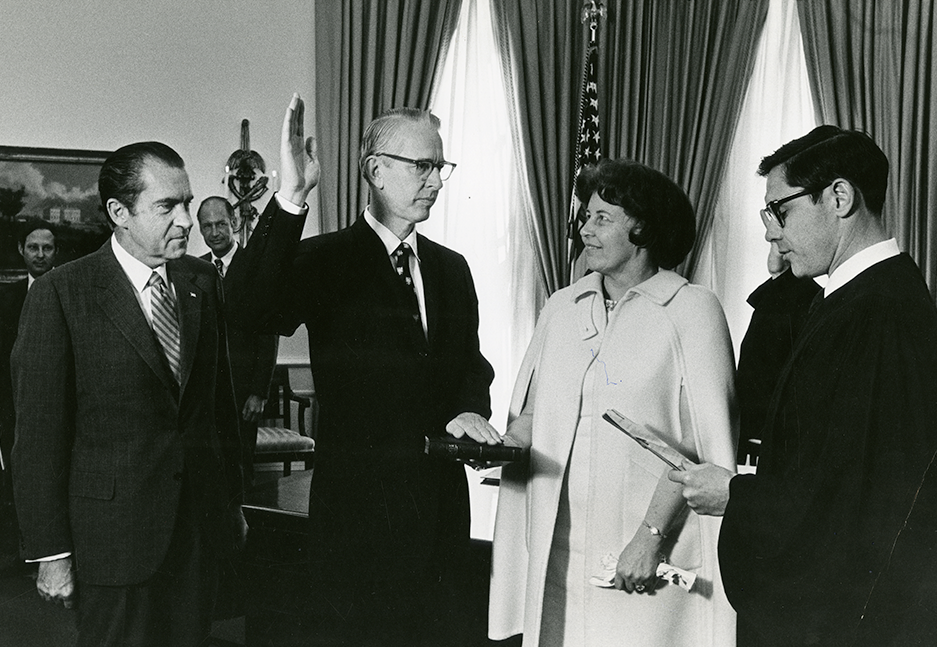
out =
column 777, row 108
column 480, row 213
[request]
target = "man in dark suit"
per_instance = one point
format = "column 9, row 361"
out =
column 253, row 356
column 36, row 244
column 127, row 460
column 394, row 350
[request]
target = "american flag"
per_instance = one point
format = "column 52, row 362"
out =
column 588, row 151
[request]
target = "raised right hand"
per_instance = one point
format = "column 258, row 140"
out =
column 299, row 165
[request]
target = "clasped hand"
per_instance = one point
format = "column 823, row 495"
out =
column 56, row 581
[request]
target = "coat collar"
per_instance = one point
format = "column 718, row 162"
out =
column 659, row 289
column 589, row 297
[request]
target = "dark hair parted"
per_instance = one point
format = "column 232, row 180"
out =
column 121, row 176
column 666, row 225
column 827, row 153
column 31, row 225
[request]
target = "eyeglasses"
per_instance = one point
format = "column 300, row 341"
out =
column 425, row 166
column 771, row 214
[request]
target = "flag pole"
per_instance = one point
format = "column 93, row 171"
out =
column 588, row 142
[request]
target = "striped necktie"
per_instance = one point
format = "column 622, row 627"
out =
column 219, row 264
column 166, row 323
column 401, row 257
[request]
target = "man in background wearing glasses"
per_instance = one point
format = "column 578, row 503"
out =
column 392, row 319
column 832, row 541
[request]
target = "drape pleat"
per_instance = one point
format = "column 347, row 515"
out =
column 672, row 78
column 370, row 56
column 873, row 67
column 541, row 43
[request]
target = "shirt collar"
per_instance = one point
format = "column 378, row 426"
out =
column 226, row 259
column 659, row 289
column 860, row 262
column 137, row 271
column 390, row 240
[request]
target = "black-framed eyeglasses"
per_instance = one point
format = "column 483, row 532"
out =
column 771, row 214
column 424, row 167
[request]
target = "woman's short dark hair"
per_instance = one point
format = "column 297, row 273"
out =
column 121, row 176
column 666, row 224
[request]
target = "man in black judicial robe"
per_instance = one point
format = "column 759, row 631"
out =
column 391, row 364
column 832, row 541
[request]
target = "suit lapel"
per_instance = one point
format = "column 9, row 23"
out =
column 429, row 269
column 119, row 302
column 189, row 303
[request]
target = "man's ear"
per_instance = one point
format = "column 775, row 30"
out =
column 845, row 197
column 374, row 172
column 117, row 212
column 19, row 246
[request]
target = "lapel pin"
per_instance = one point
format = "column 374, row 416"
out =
column 192, row 294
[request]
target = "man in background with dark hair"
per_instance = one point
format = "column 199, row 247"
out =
column 127, row 459
column 36, row 244
column 253, row 356
column 832, row 541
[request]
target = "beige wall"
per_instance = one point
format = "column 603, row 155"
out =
column 95, row 74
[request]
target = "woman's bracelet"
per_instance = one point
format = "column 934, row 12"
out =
column 654, row 530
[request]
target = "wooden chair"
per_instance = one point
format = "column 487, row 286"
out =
column 277, row 438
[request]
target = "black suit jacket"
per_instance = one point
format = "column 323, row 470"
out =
column 382, row 386
column 12, row 296
column 253, row 356
column 104, row 435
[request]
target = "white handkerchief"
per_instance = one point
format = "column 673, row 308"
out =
column 609, row 563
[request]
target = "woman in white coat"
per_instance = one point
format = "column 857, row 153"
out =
column 636, row 337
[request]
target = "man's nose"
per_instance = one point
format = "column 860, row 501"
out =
column 773, row 232
column 182, row 217
column 434, row 180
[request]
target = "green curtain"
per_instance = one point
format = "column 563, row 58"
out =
column 873, row 67
column 672, row 78
column 541, row 43
column 370, row 56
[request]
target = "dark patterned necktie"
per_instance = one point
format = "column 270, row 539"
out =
column 220, row 265
column 401, row 258
column 166, row 323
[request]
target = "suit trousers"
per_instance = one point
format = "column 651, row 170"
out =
column 173, row 607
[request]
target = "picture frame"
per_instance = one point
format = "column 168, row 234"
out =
column 59, row 186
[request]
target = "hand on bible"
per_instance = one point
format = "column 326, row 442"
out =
column 705, row 487
column 299, row 165
column 475, row 427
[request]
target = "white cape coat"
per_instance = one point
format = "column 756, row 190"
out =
column 665, row 361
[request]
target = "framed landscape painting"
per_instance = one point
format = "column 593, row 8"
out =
column 59, row 186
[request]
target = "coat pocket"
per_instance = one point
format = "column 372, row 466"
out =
column 92, row 485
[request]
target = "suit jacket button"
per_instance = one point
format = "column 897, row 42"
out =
column 177, row 476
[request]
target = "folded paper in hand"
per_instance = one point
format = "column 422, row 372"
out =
column 647, row 439
column 672, row 574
